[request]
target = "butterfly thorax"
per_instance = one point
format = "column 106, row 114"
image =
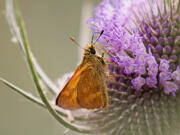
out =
column 91, row 58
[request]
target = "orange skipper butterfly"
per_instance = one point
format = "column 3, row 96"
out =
column 87, row 86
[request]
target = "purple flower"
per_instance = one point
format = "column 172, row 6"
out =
column 164, row 65
column 164, row 76
column 176, row 75
column 170, row 87
column 144, row 38
column 115, row 17
column 138, row 82
column 151, row 81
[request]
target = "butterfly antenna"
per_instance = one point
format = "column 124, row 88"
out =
column 92, row 39
column 102, row 54
column 99, row 36
column 76, row 43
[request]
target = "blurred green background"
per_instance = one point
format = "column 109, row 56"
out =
column 49, row 24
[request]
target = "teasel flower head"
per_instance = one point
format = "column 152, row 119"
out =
column 143, row 41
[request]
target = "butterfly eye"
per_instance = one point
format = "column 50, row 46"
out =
column 92, row 51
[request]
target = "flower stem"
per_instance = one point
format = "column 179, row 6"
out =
column 10, row 16
column 32, row 98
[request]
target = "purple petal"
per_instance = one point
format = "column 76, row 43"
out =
column 176, row 75
column 170, row 87
column 151, row 81
column 138, row 82
column 164, row 65
column 164, row 76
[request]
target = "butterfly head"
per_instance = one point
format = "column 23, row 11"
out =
column 90, row 54
column 90, row 50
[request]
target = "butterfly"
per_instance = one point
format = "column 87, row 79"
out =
column 87, row 86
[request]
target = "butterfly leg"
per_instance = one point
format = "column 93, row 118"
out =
column 111, row 77
column 70, row 116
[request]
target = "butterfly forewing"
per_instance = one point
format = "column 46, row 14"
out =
column 67, row 98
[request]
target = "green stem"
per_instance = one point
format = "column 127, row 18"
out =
column 33, row 98
column 10, row 15
column 51, row 87
column 23, row 93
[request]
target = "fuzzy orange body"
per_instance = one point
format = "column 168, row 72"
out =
column 87, row 87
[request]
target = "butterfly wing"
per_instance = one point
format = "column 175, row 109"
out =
column 91, row 89
column 67, row 98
